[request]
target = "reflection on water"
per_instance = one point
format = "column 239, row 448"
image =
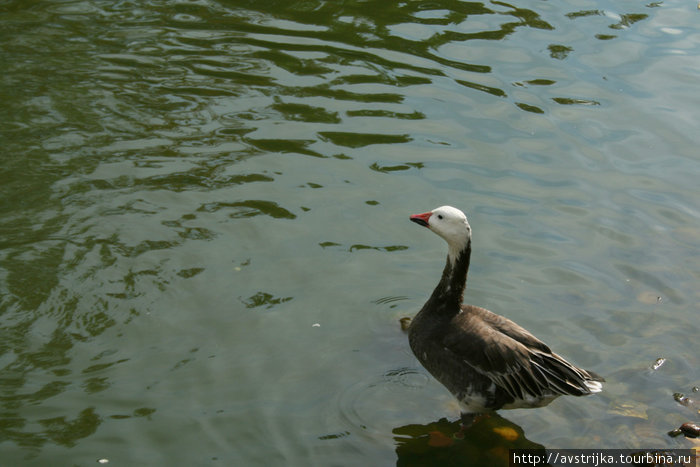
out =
column 204, row 247
column 445, row 443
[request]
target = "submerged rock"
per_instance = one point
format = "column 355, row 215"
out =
column 689, row 429
column 658, row 363
column 683, row 399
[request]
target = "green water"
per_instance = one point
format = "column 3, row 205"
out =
column 204, row 236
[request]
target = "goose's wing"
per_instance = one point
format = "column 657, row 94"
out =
column 512, row 358
column 543, row 357
column 507, row 327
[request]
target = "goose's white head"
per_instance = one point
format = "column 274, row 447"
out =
column 449, row 223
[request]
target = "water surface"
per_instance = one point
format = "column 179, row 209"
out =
column 204, row 236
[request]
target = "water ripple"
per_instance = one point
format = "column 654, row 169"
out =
column 170, row 169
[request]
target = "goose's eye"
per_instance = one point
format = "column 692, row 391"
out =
column 439, row 216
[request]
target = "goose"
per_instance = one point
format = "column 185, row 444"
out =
column 486, row 361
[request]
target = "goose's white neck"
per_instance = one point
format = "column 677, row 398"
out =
column 447, row 296
column 455, row 248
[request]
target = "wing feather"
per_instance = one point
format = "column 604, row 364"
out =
column 511, row 357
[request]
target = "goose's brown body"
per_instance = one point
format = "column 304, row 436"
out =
column 486, row 361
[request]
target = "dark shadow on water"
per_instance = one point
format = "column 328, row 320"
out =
column 486, row 442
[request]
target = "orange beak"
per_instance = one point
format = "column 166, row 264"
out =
column 421, row 219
